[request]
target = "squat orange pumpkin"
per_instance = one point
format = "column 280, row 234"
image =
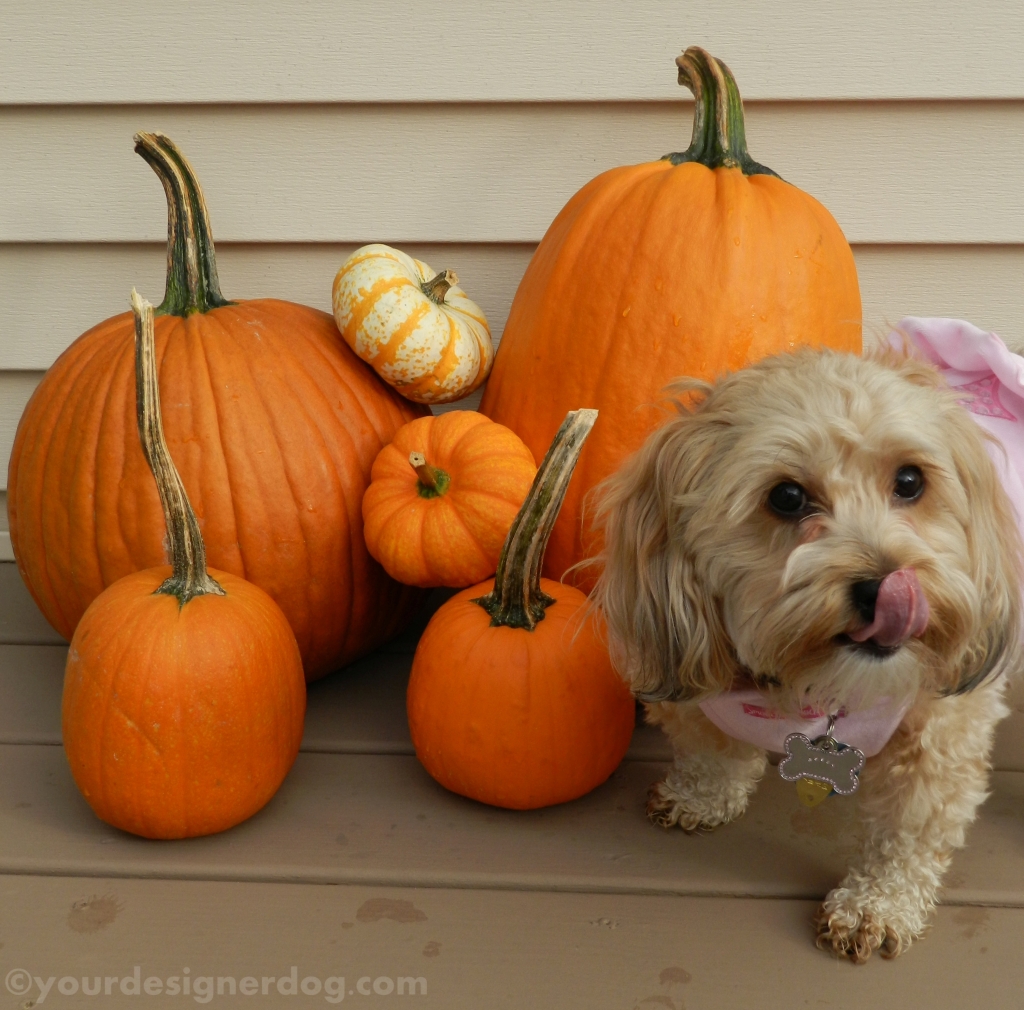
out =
column 693, row 265
column 183, row 694
column 512, row 699
column 273, row 420
column 442, row 496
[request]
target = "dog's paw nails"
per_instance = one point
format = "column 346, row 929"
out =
column 665, row 809
column 855, row 937
column 662, row 810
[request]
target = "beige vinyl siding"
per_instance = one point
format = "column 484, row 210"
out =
column 888, row 171
column 53, row 292
column 317, row 127
column 982, row 283
column 466, row 50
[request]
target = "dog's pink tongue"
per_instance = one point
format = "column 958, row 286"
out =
column 901, row 611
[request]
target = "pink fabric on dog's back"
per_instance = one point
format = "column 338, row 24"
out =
column 991, row 378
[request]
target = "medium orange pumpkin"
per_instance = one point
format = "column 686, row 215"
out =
column 275, row 424
column 512, row 699
column 442, row 497
column 693, row 265
column 183, row 694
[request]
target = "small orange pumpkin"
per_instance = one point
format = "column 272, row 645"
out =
column 442, row 496
column 512, row 699
column 184, row 694
column 693, row 265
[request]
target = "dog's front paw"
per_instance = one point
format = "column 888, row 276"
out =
column 854, row 924
column 665, row 808
column 668, row 805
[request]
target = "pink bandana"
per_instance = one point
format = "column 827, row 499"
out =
column 745, row 714
column 991, row 378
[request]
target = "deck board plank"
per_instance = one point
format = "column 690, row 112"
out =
column 20, row 619
column 494, row 949
column 365, row 818
column 358, row 710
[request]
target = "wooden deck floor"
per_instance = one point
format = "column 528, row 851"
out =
column 363, row 868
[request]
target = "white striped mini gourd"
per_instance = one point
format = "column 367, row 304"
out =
column 415, row 327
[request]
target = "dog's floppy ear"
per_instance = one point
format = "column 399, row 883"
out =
column 995, row 552
column 665, row 629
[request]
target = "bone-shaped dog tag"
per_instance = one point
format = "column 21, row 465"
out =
column 823, row 760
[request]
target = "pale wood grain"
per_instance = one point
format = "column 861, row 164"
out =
column 889, row 172
column 575, row 49
column 499, row 950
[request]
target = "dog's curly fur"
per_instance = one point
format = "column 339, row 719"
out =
column 703, row 585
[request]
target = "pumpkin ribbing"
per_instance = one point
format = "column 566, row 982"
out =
column 184, row 697
column 512, row 698
column 442, row 496
column 274, row 424
column 693, row 265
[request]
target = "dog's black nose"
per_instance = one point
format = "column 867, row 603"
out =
column 864, row 596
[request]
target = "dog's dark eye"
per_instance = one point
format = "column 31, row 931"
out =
column 787, row 499
column 909, row 483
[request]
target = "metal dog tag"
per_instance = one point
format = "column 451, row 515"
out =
column 824, row 760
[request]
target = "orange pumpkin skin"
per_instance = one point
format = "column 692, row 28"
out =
column 650, row 273
column 452, row 538
column 514, row 718
column 274, row 424
column 181, row 721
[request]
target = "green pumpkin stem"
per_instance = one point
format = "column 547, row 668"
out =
column 719, row 136
column 433, row 482
column 438, row 286
column 192, row 281
column 188, row 553
column 517, row 600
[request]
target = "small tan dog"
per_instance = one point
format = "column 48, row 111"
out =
column 830, row 530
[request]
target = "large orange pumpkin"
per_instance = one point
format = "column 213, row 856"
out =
column 275, row 424
column 693, row 265
column 513, row 699
column 183, row 694
column 442, row 497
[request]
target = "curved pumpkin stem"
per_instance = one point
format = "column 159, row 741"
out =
column 438, row 286
column 517, row 600
column 192, row 281
column 719, row 135
column 188, row 553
